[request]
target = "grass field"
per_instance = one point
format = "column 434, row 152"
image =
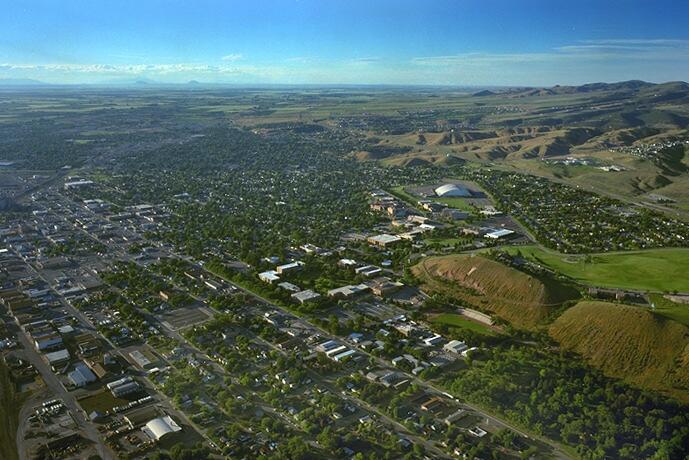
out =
column 628, row 342
column 456, row 203
column 653, row 270
column 669, row 309
column 515, row 296
column 400, row 193
column 102, row 402
column 459, row 321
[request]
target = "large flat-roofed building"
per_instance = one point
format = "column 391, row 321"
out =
column 290, row 267
column 348, row 291
column 269, row 277
column 81, row 375
column 499, row 234
column 305, row 296
column 48, row 342
column 383, row 240
column 57, row 358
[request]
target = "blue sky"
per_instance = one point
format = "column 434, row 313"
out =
column 439, row 42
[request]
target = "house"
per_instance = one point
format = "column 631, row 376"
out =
column 455, row 346
column 341, row 356
column 458, row 415
column 305, row 296
column 309, row 248
column 383, row 240
column 346, row 262
column 432, row 404
column 367, row 270
column 289, row 287
column 432, row 341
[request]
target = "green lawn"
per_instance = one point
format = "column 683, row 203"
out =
column 663, row 270
column 456, row 203
column 459, row 321
column 102, row 401
column 400, row 193
column 675, row 311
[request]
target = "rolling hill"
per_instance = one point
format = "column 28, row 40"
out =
column 628, row 342
column 521, row 299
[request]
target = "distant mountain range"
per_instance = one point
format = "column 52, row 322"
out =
column 20, row 82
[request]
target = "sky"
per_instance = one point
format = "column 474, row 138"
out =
column 330, row 42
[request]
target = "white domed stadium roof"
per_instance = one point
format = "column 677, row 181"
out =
column 159, row 427
column 452, row 190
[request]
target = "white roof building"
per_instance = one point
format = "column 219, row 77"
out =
column 292, row 266
column 383, row 239
column 455, row 346
column 269, row 277
column 161, row 426
column 452, row 190
column 497, row 234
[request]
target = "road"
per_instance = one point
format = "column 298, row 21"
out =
column 54, row 384
column 556, row 449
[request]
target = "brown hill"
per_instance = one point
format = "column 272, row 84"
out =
column 517, row 297
column 630, row 343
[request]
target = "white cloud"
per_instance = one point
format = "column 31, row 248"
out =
column 579, row 62
column 232, row 57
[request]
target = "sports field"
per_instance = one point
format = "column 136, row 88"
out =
column 663, row 270
column 459, row 321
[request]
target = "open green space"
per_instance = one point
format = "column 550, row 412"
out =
column 102, row 402
column 400, row 193
column 459, row 321
column 654, row 269
column 456, row 203
column 672, row 310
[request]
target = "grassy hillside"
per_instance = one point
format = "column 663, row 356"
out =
column 654, row 269
column 517, row 297
column 629, row 343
